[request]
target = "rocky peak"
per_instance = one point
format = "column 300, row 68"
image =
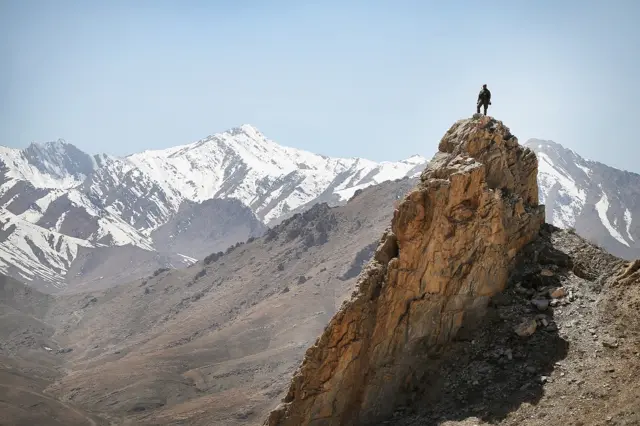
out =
column 450, row 246
column 59, row 159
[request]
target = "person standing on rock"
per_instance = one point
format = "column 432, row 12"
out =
column 484, row 99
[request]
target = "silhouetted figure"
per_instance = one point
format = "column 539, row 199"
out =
column 484, row 99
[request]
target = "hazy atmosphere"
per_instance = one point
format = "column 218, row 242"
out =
column 339, row 79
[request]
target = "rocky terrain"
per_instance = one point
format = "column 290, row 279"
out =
column 198, row 229
column 561, row 345
column 167, row 207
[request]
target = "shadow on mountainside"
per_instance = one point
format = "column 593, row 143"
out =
column 489, row 370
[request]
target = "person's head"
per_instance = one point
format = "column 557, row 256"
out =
column 484, row 86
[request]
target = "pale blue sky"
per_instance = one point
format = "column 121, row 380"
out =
column 376, row 79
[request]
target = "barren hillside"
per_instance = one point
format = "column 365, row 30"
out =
column 217, row 342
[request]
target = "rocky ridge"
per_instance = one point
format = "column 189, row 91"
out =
column 449, row 249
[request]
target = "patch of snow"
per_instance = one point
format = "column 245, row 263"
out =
column 346, row 194
column 602, row 207
column 586, row 170
column 31, row 215
column 628, row 219
column 60, row 221
column 547, row 169
column 187, row 259
column 80, row 200
column 44, row 202
column 121, row 233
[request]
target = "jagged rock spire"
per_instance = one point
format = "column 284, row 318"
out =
column 449, row 249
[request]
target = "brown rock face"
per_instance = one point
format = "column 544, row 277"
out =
column 449, row 249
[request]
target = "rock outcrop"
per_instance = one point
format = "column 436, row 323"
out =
column 448, row 250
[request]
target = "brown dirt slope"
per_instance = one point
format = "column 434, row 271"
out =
column 28, row 363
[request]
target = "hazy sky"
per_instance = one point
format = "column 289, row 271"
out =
column 376, row 79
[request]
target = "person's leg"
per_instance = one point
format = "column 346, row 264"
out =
column 486, row 106
column 478, row 109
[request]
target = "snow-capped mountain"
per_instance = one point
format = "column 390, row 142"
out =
column 55, row 192
column 271, row 179
column 602, row 203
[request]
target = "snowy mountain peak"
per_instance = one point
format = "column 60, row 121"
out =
column 551, row 147
column 597, row 200
column 54, row 165
column 272, row 179
column 59, row 159
column 51, row 149
column 248, row 130
column 58, row 144
column 415, row 159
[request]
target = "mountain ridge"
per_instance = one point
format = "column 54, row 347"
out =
column 117, row 201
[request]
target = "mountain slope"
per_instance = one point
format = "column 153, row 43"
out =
column 194, row 227
column 150, row 200
column 28, row 363
column 602, row 203
column 213, row 343
column 35, row 253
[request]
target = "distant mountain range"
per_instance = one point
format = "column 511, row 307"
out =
column 62, row 211
column 71, row 219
